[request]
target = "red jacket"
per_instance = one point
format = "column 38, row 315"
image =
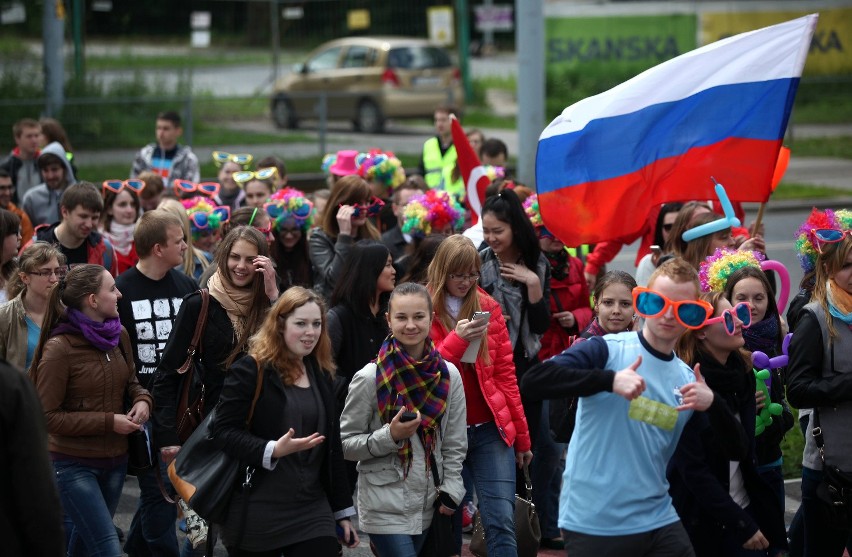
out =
column 573, row 295
column 497, row 380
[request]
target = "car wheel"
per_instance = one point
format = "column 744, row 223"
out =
column 369, row 118
column 282, row 113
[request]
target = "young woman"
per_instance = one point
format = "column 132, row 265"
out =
column 118, row 220
column 384, row 172
column 195, row 260
column 40, row 266
column 291, row 215
column 10, row 242
column 819, row 376
column 344, row 222
column 613, row 299
column 299, row 488
column 230, row 193
column 725, row 506
column 356, row 321
column 662, row 230
column 257, row 190
column 397, row 455
column 84, row 373
column 206, row 221
column 497, row 433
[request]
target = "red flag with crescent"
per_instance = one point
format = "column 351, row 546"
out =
column 472, row 171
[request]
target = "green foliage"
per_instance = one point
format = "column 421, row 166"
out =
column 839, row 147
column 806, row 191
column 792, row 446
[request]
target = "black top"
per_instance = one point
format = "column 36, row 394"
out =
column 355, row 341
column 148, row 309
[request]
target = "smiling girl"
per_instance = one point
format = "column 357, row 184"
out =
column 118, row 221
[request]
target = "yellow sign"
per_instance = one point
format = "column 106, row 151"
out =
column 358, row 19
column 830, row 48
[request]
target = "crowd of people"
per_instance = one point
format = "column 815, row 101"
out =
column 401, row 358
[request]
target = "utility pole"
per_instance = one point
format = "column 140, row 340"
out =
column 53, row 27
column 463, row 26
column 529, row 41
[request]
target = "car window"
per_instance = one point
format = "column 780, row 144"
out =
column 325, row 60
column 358, row 56
column 418, row 57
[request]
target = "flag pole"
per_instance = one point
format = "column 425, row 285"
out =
column 759, row 217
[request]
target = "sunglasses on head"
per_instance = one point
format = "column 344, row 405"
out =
column 249, row 175
column 742, row 311
column 263, row 230
column 210, row 189
column 115, row 186
column 299, row 214
column 690, row 313
column 371, row 209
column 242, row 159
column 829, row 236
column 201, row 219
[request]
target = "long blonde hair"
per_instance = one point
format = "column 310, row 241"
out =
column 455, row 255
column 829, row 262
column 266, row 345
column 175, row 207
column 689, row 345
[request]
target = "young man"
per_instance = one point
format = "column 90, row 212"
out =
column 77, row 233
column 41, row 203
column 152, row 294
column 439, row 156
column 494, row 152
column 7, row 192
column 635, row 397
column 21, row 162
column 394, row 239
column 166, row 157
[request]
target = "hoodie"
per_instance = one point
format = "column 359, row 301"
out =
column 42, row 203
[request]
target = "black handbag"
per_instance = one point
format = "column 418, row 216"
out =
column 140, row 458
column 203, row 474
column 527, row 528
column 191, row 413
column 440, row 540
column 835, row 490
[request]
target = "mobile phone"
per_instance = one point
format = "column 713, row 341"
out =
column 340, row 537
column 481, row 315
column 408, row 416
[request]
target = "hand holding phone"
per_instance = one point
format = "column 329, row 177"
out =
column 407, row 416
column 341, row 535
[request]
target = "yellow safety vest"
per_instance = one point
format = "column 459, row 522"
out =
column 439, row 170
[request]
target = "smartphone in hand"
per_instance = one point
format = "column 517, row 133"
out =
column 408, row 416
column 340, row 534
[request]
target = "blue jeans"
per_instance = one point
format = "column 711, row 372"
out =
column 398, row 545
column 820, row 539
column 492, row 466
column 546, row 474
column 89, row 498
column 152, row 531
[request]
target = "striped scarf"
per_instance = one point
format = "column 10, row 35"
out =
column 424, row 385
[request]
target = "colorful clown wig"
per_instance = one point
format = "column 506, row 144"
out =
column 203, row 216
column 377, row 166
column 431, row 211
column 290, row 204
column 806, row 250
column 533, row 211
column 716, row 268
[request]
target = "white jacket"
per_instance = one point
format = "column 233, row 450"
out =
column 387, row 503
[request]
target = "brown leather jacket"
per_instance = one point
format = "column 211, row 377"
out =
column 81, row 389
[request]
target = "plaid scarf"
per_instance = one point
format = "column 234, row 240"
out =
column 424, row 385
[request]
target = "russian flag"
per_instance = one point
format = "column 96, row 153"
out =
column 720, row 111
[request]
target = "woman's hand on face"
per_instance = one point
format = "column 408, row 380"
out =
column 471, row 329
column 344, row 219
column 139, row 413
column 565, row 319
column 287, row 444
column 266, row 268
column 122, row 425
column 403, row 430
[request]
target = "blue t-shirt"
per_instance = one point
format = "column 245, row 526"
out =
column 615, row 475
column 33, row 332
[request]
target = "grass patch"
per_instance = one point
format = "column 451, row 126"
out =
column 792, row 446
column 837, row 147
column 484, row 118
column 804, row 191
column 126, row 60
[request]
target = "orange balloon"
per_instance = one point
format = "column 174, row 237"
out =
column 780, row 166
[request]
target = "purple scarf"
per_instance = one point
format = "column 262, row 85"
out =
column 103, row 336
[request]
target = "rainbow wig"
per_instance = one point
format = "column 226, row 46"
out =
column 533, row 211
column 431, row 211
column 382, row 167
column 287, row 204
column 200, row 204
column 327, row 162
column 717, row 268
column 805, row 248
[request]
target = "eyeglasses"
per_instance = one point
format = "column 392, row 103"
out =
column 690, row 313
column 289, row 231
column 210, row 189
column 275, row 209
column 58, row 272
column 242, row 159
column 201, row 219
column 473, row 277
column 115, row 186
column 742, row 311
column 371, row 209
column 248, row 175
column 829, row 236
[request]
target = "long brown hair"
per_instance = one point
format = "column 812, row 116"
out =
column 259, row 303
column 689, row 345
column 70, row 292
column 455, row 255
column 266, row 345
column 34, row 256
column 829, row 262
column 348, row 190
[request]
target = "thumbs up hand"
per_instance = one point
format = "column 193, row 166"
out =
column 696, row 395
column 627, row 383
